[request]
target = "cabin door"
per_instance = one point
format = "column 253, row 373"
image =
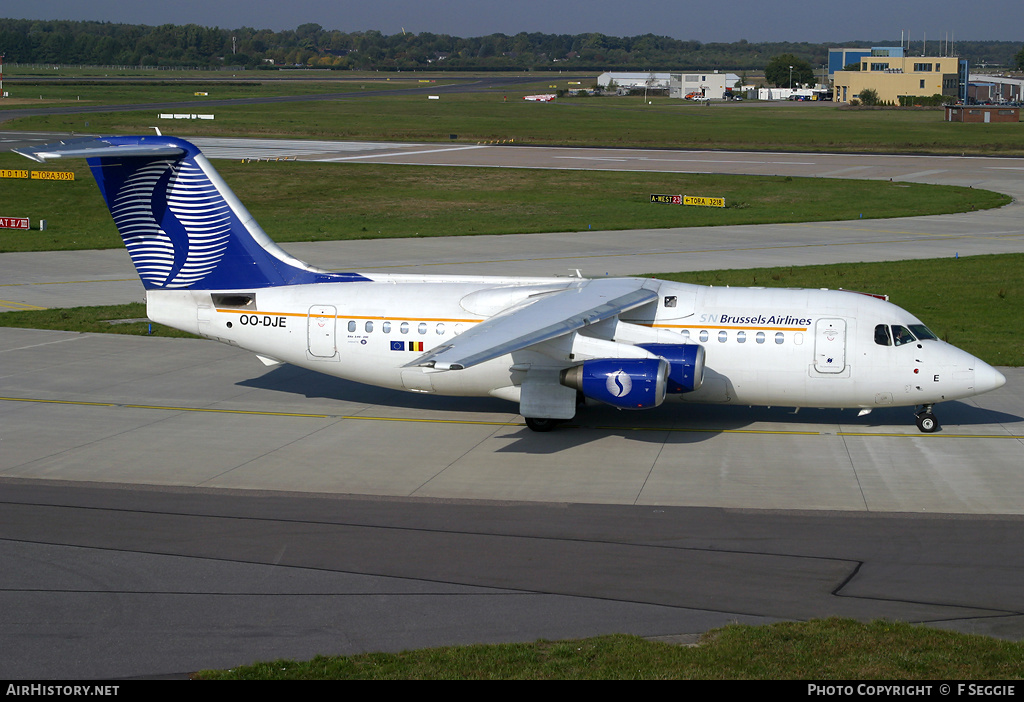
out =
column 321, row 332
column 830, row 345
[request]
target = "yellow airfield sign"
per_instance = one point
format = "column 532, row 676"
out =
column 694, row 200
column 704, row 201
column 36, row 175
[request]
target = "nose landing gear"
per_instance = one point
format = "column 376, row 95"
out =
column 926, row 421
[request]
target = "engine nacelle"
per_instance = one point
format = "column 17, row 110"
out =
column 686, row 365
column 626, row 383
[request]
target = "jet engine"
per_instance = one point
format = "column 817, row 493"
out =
column 626, row 383
column 686, row 365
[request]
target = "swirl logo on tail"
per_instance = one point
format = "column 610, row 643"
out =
column 175, row 224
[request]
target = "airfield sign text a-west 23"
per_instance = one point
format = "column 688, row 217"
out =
column 693, row 200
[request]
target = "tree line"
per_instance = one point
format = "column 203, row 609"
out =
column 105, row 43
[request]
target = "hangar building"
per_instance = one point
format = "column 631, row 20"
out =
column 995, row 89
column 650, row 79
column 711, row 84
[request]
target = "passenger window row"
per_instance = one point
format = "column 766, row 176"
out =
column 741, row 336
column 401, row 328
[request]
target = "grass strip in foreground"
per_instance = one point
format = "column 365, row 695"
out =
column 826, row 649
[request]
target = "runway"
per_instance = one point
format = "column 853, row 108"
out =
column 174, row 504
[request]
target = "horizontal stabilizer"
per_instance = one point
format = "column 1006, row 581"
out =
column 93, row 147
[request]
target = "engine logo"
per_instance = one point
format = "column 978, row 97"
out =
column 619, row 383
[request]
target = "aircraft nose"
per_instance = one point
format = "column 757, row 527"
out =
column 987, row 378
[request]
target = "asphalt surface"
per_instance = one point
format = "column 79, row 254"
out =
column 170, row 504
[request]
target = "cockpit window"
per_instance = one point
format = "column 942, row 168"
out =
column 922, row 332
column 901, row 335
column 897, row 335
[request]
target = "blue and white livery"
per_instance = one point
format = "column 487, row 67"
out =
column 546, row 343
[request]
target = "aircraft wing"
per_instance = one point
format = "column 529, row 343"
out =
column 539, row 318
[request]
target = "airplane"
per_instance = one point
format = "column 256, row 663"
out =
column 549, row 344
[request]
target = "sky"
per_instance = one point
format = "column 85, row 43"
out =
column 725, row 20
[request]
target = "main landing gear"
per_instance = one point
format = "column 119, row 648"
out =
column 543, row 423
column 547, row 423
column 926, row 421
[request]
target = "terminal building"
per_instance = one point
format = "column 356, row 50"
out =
column 892, row 75
column 840, row 58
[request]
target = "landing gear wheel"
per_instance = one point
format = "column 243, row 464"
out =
column 542, row 423
column 927, row 422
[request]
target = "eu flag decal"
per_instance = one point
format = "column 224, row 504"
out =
column 397, row 346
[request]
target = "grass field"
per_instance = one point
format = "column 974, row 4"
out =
column 819, row 650
column 357, row 201
column 28, row 93
column 500, row 114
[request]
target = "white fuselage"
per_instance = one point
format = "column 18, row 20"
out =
column 764, row 346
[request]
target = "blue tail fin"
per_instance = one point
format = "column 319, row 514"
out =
column 182, row 225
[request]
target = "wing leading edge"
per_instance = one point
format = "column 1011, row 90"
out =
column 539, row 318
